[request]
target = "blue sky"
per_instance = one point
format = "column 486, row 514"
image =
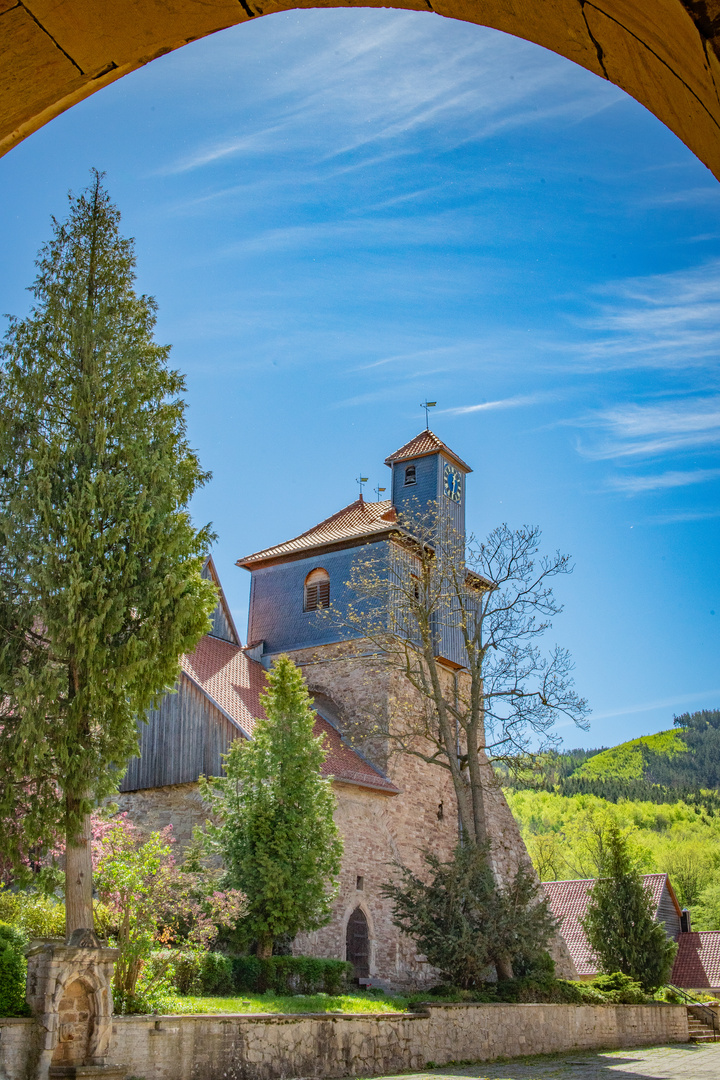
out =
column 342, row 211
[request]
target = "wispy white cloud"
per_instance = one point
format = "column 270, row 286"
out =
column 517, row 402
column 681, row 516
column 669, row 321
column 635, row 485
column 374, row 81
column 652, row 430
column 663, row 703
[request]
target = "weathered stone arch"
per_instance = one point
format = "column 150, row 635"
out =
column 662, row 52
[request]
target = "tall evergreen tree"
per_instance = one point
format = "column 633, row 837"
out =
column 277, row 835
column 620, row 920
column 100, row 565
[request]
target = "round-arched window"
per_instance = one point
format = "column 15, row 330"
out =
column 317, row 590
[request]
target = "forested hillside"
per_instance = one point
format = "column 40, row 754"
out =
column 664, row 789
column 680, row 764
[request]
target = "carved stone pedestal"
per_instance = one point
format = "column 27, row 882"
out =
column 69, row 989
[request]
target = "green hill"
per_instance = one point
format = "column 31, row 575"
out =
column 681, row 764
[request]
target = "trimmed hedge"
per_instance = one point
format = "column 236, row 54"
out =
column 192, row 972
column 13, row 971
column 290, row 974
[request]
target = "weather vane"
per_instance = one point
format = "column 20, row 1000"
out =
column 427, row 405
column 361, row 480
column 378, row 491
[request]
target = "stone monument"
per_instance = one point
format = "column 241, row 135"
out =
column 69, row 989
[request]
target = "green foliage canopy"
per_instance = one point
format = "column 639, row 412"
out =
column 13, row 970
column 620, row 921
column 277, row 835
column 464, row 923
column 100, row 565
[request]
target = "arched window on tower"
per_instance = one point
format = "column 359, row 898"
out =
column 410, row 477
column 357, row 944
column 317, row 590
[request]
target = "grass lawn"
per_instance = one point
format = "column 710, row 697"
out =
column 296, row 1003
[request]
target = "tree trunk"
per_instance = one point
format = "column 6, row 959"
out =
column 78, row 875
column 264, row 948
column 503, row 966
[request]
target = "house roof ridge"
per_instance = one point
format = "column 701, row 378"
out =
column 376, row 517
column 422, row 445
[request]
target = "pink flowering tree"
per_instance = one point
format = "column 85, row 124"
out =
column 149, row 900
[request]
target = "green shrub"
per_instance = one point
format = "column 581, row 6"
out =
column 191, row 971
column 13, row 971
column 33, row 913
column 620, row 989
column 290, row 974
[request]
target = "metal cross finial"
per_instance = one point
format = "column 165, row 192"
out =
column 379, row 491
column 427, row 405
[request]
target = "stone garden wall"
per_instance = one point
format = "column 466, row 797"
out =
column 256, row 1047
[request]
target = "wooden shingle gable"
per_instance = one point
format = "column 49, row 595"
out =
column 223, row 624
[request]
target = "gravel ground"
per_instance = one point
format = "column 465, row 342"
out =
column 688, row 1061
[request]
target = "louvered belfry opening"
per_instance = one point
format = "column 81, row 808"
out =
column 357, row 944
column 317, row 590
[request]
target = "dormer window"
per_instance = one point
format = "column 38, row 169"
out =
column 317, row 590
column 410, row 477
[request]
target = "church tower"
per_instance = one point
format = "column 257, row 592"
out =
column 292, row 580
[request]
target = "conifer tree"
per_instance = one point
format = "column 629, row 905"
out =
column 620, row 920
column 100, row 565
column 277, row 835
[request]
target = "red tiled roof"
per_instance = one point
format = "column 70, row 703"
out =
column 343, row 763
column 234, row 682
column 354, row 521
column 423, row 444
column 229, row 677
column 697, row 963
column 568, row 903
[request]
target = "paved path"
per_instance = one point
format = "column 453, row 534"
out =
column 687, row 1061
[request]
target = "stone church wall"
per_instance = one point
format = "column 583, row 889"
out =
column 379, row 830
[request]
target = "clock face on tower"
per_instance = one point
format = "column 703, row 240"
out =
column 452, row 483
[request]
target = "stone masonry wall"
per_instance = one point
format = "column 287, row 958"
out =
column 365, row 693
column 236, row 1047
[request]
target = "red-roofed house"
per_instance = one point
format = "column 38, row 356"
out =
column 569, row 901
column 697, row 964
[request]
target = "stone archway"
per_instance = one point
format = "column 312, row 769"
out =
column 662, row 52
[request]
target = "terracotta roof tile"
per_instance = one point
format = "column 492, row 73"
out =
column 343, row 763
column 697, row 963
column 235, row 682
column 229, row 677
column 423, row 444
column 569, row 902
column 354, row 521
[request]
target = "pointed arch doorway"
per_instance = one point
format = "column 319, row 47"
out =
column 357, row 944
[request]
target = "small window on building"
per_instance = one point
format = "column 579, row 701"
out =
column 360, row 883
column 410, row 475
column 317, row 590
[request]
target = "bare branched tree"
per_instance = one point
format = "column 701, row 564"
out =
column 462, row 624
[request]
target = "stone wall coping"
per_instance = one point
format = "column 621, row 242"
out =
column 173, row 1018
column 426, row 1005
column 16, row 1020
column 63, row 952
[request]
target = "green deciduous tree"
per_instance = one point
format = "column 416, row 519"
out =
column 464, row 923
column 620, row 919
column 100, row 565
column 276, row 834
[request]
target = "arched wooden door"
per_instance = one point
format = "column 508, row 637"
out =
column 357, row 943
